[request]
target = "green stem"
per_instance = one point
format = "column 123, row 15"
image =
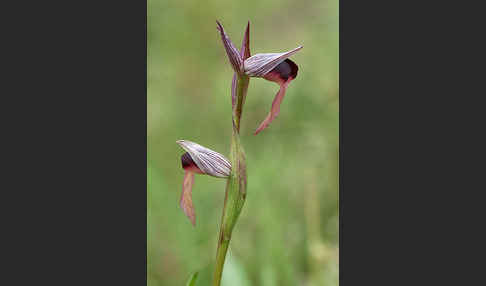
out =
column 241, row 89
column 220, row 257
column 236, row 184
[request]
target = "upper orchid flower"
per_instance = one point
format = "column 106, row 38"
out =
column 276, row 67
column 199, row 160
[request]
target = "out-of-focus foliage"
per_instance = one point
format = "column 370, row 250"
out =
column 287, row 233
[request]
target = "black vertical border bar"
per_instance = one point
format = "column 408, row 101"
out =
column 368, row 115
column 75, row 104
column 407, row 132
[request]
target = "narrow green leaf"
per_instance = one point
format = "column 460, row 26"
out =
column 192, row 279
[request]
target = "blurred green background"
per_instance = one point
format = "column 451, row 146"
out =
column 288, row 230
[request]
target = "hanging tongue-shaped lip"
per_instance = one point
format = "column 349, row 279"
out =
column 282, row 74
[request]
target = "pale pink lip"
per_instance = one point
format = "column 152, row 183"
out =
column 275, row 110
column 282, row 74
column 186, row 197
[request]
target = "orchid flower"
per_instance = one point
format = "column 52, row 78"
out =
column 276, row 67
column 199, row 160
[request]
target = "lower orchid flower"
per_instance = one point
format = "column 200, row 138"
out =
column 199, row 160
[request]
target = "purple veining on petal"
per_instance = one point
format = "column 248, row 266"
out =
column 245, row 45
column 232, row 52
column 206, row 160
column 259, row 65
column 244, row 53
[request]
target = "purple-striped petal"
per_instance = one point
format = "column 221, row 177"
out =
column 233, row 53
column 245, row 45
column 244, row 53
column 260, row 64
column 208, row 161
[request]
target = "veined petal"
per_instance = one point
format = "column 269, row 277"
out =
column 245, row 45
column 208, row 161
column 186, row 197
column 260, row 64
column 232, row 52
column 244, row 53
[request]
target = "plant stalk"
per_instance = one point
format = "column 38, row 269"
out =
column 236, row 184
column 241, row 90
